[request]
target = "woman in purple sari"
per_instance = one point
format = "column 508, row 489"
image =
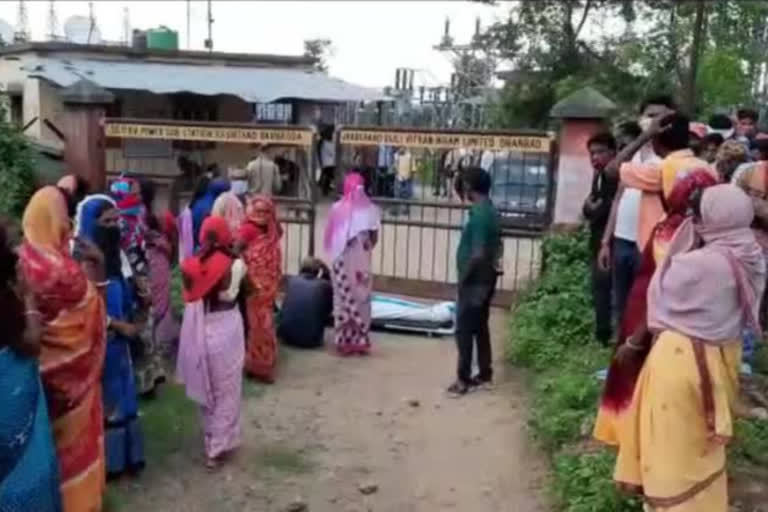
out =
column 350, row 236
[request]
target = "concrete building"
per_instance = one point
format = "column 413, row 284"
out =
column 172, row 85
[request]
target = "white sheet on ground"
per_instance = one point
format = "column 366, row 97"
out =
column 399, row 314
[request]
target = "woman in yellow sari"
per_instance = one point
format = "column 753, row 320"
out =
column 672, row 445
column 73, row 321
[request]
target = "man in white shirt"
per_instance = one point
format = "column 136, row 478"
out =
column 621, row 251
column 263, row 174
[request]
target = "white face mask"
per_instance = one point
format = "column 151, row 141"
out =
column 645, row 123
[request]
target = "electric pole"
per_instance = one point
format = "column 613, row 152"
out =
column 209, row 41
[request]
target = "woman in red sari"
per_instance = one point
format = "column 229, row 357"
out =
column 73, row 343
column 260, row 236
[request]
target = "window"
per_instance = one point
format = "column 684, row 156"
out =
column 278, row 113
column 193, row 107
column 16, row 106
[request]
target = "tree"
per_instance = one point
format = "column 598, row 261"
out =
column 319, row 49
column 665, row 46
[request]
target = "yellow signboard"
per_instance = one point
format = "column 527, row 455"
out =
column 443, row 140
column 300, row 137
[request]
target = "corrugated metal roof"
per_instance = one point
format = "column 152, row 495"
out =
column 255, row 85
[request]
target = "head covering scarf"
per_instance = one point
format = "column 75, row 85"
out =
column 133, row 224
column 89, row 211
column 711, row 293
column 228, row 206
column 353, row 214
column 730, row 155
column 274, row 230
column 202, row 206
column 54, row 278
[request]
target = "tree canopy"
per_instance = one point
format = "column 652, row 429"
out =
column 709, row 55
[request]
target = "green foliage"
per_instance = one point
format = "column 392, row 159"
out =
column 723, row 82
column 583, row 482
column 628, row 49
column 551, row 333
column 170, row 424
column 750, row 442
column 319, row 49
column 558, row 309
column 17, row 179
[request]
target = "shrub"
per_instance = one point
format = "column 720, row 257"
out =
column 551, row 334
column 17, row 180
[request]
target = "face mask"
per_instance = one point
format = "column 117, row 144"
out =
column 108, row 240
column 645, row 123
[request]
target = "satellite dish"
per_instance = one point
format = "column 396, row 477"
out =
column 6, row 33
column 82, row 30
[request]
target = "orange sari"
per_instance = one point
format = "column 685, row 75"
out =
column 72, row 349
column 263, row 258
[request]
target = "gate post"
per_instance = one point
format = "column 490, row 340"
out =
column 582, row 114
column 84, row 153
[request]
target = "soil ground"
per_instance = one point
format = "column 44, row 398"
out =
column 331, row 430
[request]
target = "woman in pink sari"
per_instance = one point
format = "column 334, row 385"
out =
column 212, row 347
column 350, row 236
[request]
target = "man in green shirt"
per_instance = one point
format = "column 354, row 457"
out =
column 477, row 264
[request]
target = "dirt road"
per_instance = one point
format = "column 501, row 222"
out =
column 368, row 434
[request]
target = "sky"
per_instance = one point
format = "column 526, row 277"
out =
column 370, row 38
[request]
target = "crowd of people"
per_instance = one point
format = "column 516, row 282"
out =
column 678, row 247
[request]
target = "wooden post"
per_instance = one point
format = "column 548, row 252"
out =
column 582, row 114
column 84, row 153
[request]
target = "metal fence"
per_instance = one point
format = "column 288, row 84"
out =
column 175, row 154
column 412, row 174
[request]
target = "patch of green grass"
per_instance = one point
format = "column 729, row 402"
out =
column 170, row 423
column 582, row 483
column 750, row 442
column 176, row 286
column 283, row 459
column 114, row 500
column 551, row 334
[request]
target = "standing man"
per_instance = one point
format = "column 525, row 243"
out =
column 622, row 240
column 476, row 263
column 263, row 174
column 403, row 178
column 597, row 209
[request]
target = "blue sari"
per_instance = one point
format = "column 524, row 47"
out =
column 29, row 473
column 123, row 438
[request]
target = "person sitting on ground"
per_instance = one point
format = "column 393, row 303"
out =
column 307, row 306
